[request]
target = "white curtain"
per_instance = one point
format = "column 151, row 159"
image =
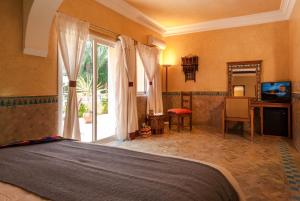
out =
column 125, row 93
column 150, row 60
column 72, row 35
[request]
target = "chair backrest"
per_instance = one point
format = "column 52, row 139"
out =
column 237, row 107
column 186, row 100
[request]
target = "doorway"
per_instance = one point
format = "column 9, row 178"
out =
column 94, row 91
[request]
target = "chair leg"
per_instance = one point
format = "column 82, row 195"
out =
column 178, row 123
column 224, row 128
column 243, row 126
column 252, row 124
column 190, row 122
column 170, row 119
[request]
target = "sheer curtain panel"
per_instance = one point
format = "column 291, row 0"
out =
column 150, row 60
column 72, row 35
column 125, row 93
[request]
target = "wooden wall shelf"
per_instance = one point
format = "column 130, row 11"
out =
column 189, row 67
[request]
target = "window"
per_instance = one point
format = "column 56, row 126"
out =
column 141, row 76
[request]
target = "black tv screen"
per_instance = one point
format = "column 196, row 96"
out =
column 276, row 91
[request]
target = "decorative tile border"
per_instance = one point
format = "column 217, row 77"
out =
column 170, row 93
column 213, row 93
column 27, row 100
column 198, row 93
column 291, row 171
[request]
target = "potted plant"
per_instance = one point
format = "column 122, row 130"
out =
column 88, row 117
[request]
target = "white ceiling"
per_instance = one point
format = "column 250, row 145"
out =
column 170, row 13
column 155, row 17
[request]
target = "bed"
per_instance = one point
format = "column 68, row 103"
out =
column 66, row 170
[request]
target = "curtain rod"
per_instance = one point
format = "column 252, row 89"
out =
column 115, row 35
column 106, row 32
column 110, row 33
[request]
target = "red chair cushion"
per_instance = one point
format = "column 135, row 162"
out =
column 180, row 111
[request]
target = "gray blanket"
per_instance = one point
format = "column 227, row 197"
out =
column 72, row 171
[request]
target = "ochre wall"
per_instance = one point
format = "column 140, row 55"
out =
column 96, row 14
column 295, row 47
column 23, row 75
column 268, row 42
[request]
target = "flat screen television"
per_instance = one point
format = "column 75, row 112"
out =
column 276, row 91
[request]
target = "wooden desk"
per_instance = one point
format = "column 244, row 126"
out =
column 261, row 105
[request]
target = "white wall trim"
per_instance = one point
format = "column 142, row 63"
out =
column 232, row 22
column 284, row 13
column 38, row 25
column 34, row 52
column 132, row 13
column 287, row 7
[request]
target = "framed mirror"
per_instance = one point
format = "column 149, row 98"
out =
column 244, row 78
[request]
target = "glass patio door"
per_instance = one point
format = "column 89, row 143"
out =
column 94, row 95
column 105, row 104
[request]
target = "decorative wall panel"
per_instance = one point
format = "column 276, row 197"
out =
column 27, row 117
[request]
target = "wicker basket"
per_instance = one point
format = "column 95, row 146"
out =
column 145, row 131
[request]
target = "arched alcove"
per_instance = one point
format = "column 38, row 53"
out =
column 38, row 16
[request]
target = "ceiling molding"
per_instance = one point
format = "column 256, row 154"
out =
column 282, row 14
column 232, row 22
column 287, row 7
column 132, row 13
column 125, row 9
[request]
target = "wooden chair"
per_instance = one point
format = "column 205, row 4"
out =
column 237, row 109
column 184, row 111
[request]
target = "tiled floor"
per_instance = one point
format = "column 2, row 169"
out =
column 267, row 169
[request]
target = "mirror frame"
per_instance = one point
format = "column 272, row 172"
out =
column 240, row 65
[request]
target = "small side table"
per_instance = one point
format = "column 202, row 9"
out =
column 156, row 122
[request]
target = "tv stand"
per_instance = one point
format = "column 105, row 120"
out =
column 263, row 104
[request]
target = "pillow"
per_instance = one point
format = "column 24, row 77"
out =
column 46, row 139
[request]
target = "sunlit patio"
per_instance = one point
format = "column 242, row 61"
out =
column 105, row 128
